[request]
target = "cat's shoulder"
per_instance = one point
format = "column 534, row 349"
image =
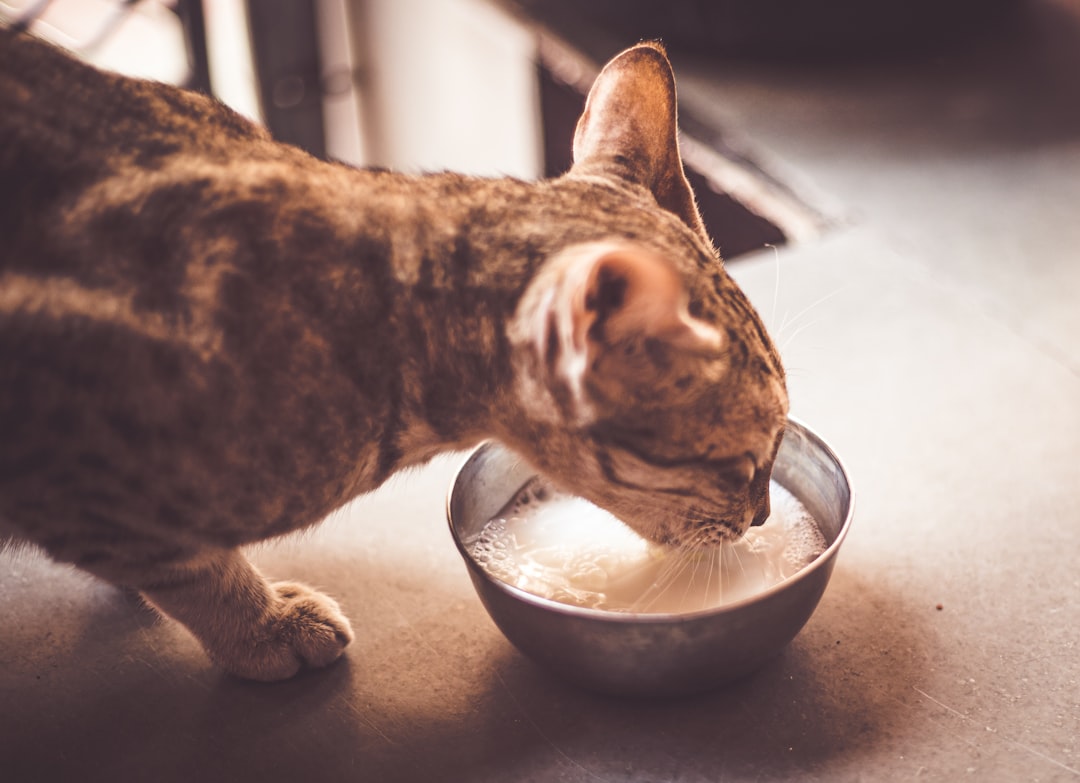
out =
column 41, row 82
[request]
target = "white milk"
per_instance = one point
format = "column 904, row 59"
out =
column 564, row 548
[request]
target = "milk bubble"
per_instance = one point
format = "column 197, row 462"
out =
column 564, row 548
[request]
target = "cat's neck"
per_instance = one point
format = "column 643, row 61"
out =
column 440, row 259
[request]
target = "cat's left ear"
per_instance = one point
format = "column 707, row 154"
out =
column 613, row 293
column 598, row 299
column 629, row 130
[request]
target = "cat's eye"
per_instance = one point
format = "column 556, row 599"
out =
column 746, row 469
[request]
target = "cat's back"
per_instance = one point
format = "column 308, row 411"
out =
column 135, row 307
column 66, row 127
column 59, row 105
column 119, row 194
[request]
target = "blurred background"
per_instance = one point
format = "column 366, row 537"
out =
column 370, row 82
column 919, row 163
column 494, row 87
column 421, row 85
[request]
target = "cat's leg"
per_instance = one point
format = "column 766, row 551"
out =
column 249, row 626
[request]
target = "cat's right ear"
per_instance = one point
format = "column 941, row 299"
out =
column 629, row 130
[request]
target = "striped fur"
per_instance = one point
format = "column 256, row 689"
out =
column 208, row 338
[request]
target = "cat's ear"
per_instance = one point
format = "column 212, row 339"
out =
column 605, row 308
column 597, row 299
column 629, row 130
column 620, row 293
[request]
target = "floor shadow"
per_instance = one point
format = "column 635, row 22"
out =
column 838, row 689
column 445, row 697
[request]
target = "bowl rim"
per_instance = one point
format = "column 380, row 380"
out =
column 650, row 618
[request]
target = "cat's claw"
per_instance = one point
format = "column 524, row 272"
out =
column 306, row 628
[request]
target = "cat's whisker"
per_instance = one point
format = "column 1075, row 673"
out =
column 671, row 571
column 663, row 582
column 708, row 581
column 796, row 372
column 703, row 561
column 694, row 563
column 666, row 574
column 738, row 560
column 785, row 323
column 791, row 337
column 776, row 286
column 712, row 560
column 720, row 574
column 681, row 559
column 629, row 574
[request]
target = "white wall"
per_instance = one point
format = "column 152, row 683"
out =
column 145, row 41
column 448, row 84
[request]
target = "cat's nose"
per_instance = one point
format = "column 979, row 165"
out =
column 763, row 512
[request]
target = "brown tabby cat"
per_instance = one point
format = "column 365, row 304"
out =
column 208, row 338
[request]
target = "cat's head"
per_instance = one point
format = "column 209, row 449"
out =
column 646, row 380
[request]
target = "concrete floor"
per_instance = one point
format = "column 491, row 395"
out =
column 932, row 335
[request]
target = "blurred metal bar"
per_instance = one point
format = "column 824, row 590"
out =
column 193, row 19
column 29, row 16
column 285, row 49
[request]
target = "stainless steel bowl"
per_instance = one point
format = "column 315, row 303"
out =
column 655, row 654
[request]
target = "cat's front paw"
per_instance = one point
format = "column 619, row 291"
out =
column 306, row 628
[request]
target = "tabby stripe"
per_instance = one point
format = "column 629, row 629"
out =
column 607, row 465
column 460, row 262
column 389, row 449
column 720, row 464
column 747, row 314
